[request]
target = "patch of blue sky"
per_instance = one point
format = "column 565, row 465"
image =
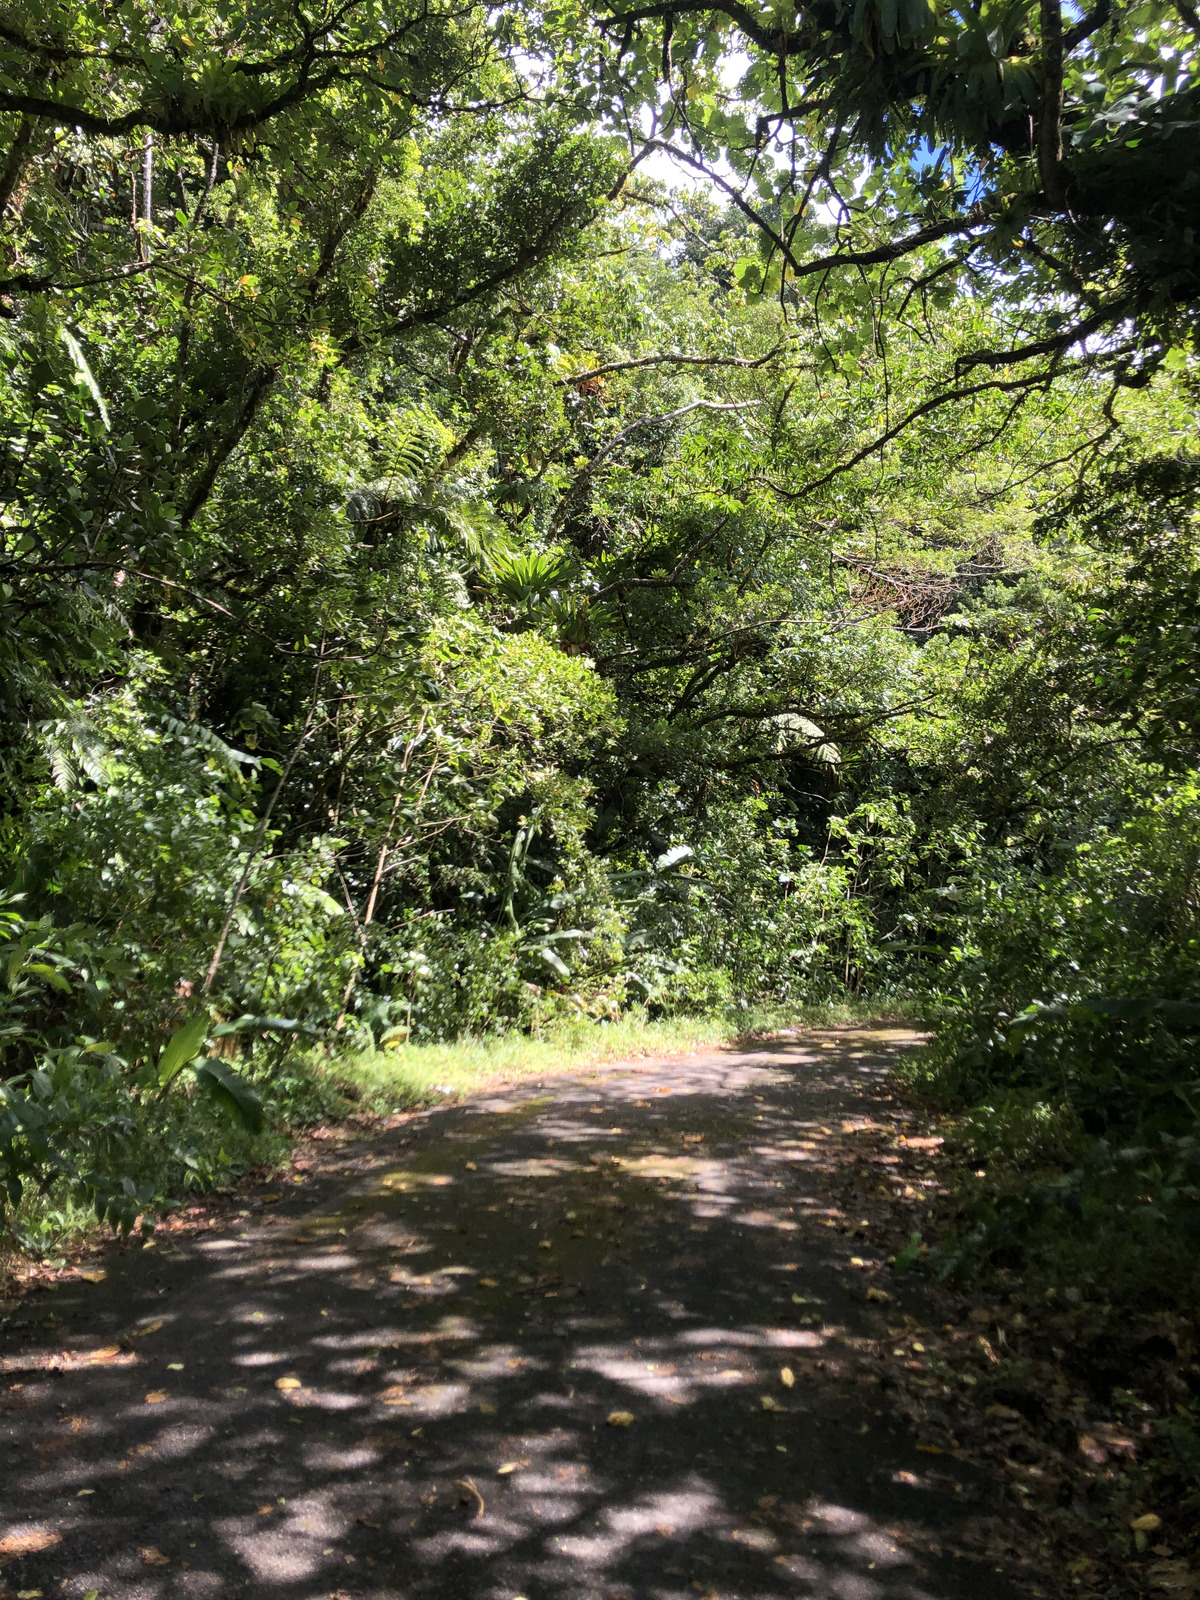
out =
column 967, row 172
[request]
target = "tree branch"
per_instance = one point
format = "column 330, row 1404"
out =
column 1049, row 136
column 1043, row 347
column 995, row 385
column 1087, row 26
column 672, row 361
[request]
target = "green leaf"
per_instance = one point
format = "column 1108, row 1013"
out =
column 908, row 1256
column 50, row 975
column 183, row 1044
column 251, row 1024
column 233, row 1092
column 555, row 961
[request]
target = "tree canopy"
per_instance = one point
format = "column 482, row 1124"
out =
column 1016, row 151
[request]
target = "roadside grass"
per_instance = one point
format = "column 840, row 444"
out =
column 410, row 1076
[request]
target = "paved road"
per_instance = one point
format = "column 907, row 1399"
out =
column 594, row 1340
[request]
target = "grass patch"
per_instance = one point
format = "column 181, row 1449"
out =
column 415, row 1075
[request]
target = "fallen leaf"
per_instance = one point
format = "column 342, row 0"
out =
column 1092, row 1449
column 98, row 1276
column 488, row 1283
column 174, row 1366
column 25, row 1544
column 471, row 1167
column 857, row 1261
column 262, row 1510
column 288, row 1383
column 787, row 1377
column 156, row 1397
column 769, row 1403
column 878, row 1294
column 100, row 1358
column 503, row 1470
column 1147, row 1523
column 30, row 1594
column 144, row 1333
column 469, row 1494
column 619, row 1419
column 153, row 1556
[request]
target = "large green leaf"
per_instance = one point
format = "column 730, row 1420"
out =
column 233, row 1092
column 248, row 1023
column 185, row 1043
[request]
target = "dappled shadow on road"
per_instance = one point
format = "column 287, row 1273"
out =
column 597, row 1341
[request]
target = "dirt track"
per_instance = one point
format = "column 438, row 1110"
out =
column 595, row 1340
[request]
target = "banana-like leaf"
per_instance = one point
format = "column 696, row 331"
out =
column 233, row 1092
column 251, row 1024
column 185, row 1043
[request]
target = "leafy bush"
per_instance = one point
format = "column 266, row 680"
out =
column 1081, row 981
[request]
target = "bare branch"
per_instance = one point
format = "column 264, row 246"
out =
column 749, row 362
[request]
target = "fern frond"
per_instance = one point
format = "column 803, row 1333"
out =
column 63, row 769
column 84, row 373
column 224, row 755
column 75, row 749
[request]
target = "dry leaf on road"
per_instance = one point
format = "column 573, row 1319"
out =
column 14, row 1545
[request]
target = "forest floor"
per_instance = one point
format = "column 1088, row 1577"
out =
column 626, row 1335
